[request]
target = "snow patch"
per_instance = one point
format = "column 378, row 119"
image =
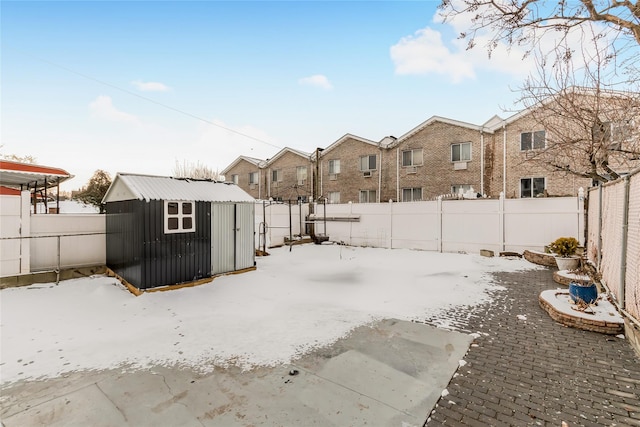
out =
column 293, row 303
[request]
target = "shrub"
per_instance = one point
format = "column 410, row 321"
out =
column 564, row 246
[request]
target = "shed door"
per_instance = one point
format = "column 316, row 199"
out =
column 223, row 231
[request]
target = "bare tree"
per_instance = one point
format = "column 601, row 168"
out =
column 523, row 22
column 591, row 120
column 16, row 158
column 194, row 171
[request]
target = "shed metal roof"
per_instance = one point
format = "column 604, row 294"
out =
column 148, row 187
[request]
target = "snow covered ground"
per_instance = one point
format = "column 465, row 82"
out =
column 294, row 302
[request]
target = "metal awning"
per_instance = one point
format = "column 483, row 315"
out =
column 27, row 175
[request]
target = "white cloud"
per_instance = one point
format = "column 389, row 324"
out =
column 150, row 86
column 102, row 107
column 316, row 80
column 424, row 52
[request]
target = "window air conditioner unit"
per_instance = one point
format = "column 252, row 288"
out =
column 302, row 181
column 333, row 177
column 366, row 174
column 275, row 184
column 412, row 169
column 459, row 166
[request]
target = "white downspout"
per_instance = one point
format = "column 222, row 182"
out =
column 380, row 176
column 481, row 162
column 504, row 158
column 398, row 174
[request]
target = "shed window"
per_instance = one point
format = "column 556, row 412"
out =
column 179, row 217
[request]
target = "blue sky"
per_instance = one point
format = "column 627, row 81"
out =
column 136, row 86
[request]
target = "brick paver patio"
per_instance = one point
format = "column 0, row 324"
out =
column 536, row 371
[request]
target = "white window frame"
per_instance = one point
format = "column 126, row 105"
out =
column 531, row 181
column 413, row 160
column 253, row 178
column 301, row 173
column 277, row 173
column 532, row 135
column 368, row 162
column 333, row 197
column 234, row 178
column 412, row 191
column 367, row 195
column 460, row 145
column 334, row 167
column 180, row 215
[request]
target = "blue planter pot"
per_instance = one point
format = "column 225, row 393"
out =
column 588, row 293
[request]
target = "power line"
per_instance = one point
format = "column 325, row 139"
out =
column 177, row 110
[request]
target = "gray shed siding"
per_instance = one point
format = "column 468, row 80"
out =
column 232, row 238
column 139, row 250
column 245, row 239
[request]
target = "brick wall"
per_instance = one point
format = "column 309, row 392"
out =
column 439, row 173
column 351, row 180
column 288, row 188
column 526, row 164
column 243, row 168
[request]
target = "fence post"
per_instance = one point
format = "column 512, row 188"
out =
column 439, row 221
column 501, row 214
column 350, row 222
column 625, row 240
column 25, row 232
column 58, row 268
column 390, row 224
column 581, row 228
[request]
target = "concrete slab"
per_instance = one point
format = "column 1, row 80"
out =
column 83, row 407
column 390, row 373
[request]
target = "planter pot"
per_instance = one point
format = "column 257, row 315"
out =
column 587, row 293
column 570, row 263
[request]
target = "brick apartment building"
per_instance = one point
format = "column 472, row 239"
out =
column 440, row 156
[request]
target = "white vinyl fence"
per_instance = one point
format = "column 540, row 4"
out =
column 42, row 242
column 441, row 225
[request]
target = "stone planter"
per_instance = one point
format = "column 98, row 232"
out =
column 570, row 263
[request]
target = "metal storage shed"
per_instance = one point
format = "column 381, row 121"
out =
column 163, row 231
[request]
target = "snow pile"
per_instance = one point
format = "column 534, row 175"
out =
column 294, row 302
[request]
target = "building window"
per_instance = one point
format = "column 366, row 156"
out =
column 179, row 217
column 461, row 152
column 368, row 196
column 301, row 174
column 532, row 140
column 334, row 167
column 460, row 188
column 612, row 134
column 253, row 177
column 276, row 175
column 333, row 197
column 368, row 163
column 412, row 158
column 531, row 187
column 411, row 194
column 234, row 179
